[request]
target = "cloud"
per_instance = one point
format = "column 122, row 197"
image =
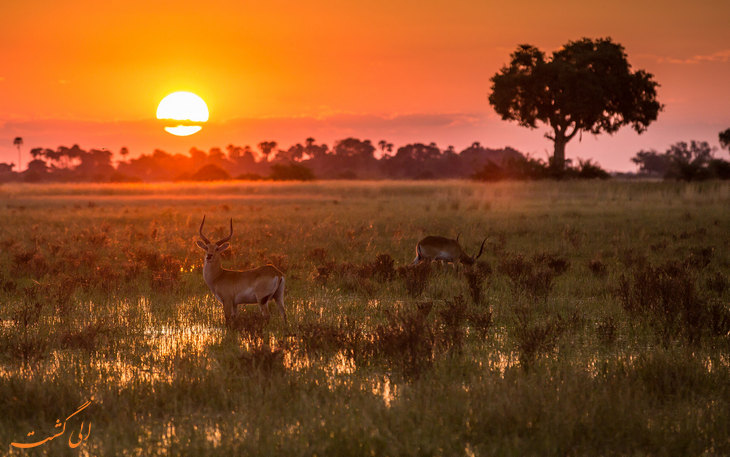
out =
column 719, row 56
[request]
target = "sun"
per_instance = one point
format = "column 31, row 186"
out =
column 185, row 111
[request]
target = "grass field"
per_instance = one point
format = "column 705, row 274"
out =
column 596, row 322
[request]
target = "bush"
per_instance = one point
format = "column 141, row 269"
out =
column 415, row 277
column 475, row 277
column 587, row 169
column 291, row 172
column 210, row 172
column 666, row 297
column 406, row 340
column 534, row 337
column 533, row 277
column 527, row 168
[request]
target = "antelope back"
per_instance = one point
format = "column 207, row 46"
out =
column 441, row 248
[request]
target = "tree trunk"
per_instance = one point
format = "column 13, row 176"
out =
column 558, row 162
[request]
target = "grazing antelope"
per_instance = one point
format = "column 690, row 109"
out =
column 444, row 249
column 233, row 288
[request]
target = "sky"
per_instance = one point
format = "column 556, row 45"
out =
column 92, row 72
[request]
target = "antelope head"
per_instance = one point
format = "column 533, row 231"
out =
column 467, row 260
column 213, row 250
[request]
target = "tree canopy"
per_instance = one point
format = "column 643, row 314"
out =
column 725, row 139
column 691, row 161
column 587, row 86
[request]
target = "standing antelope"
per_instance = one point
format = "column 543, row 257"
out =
column 445, row 249
column 233, row 288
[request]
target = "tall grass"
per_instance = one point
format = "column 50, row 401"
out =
column 595, row 323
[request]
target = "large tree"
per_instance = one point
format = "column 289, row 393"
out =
column 587, row 86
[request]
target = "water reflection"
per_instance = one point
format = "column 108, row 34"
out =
column 169, row 340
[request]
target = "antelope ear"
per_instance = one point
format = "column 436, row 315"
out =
column 223, row 247
column 202, row 245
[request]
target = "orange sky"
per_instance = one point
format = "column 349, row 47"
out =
column 92, row 72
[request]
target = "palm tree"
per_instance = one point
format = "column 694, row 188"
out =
column 266, row 148
column 385, row 146
column 18, row 142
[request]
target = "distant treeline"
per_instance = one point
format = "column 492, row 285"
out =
column 693, row 161
column 350, row 158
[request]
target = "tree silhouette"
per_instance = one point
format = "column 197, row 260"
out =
column 686, row 161
column 587, row 86
column 18, row 142
column 725, row 139
column 353, row 148
column 315, row 151
column 266, row 147
column 385, row 146
column 651, row 162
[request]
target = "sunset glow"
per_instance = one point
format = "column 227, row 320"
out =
column 400, row 71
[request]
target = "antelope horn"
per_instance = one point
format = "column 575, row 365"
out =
column 480, row 249
column 206, row 240
column 219, row 242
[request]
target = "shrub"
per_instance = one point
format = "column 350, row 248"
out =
column 534, row 337
column 667, row 298
column 587, row 169
column 475, row 277
column 291, row 172
column 210, row 172
column 382, row 268
column 415, row 277
column 406, row 340
column 533, row 277
column 524, row 167
column 481, row 321
column 452, row 319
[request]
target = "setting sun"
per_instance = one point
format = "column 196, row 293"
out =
column 186, row 109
